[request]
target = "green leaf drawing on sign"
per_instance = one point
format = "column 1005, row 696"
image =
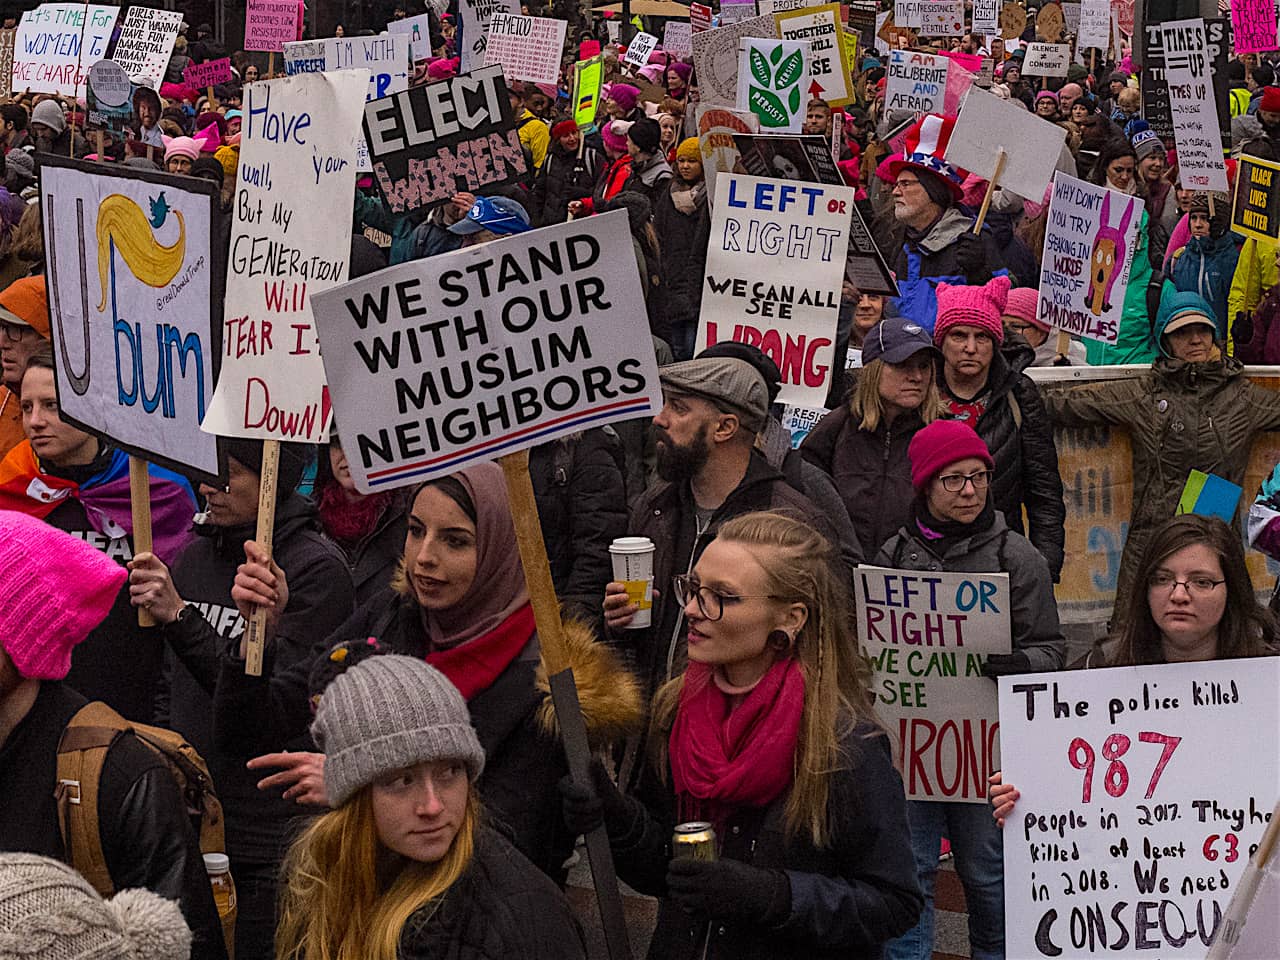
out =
column 760, row 71
column 795, row 100
column 768, row 108
column 790, row 71
column 776, row 55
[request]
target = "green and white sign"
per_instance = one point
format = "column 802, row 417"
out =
column 772, row 75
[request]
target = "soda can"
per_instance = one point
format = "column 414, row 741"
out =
column 696, row 840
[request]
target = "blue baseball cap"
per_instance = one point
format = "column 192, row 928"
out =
column 895, row 340
column 495, row 214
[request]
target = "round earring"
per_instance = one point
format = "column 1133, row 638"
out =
column 780, row 641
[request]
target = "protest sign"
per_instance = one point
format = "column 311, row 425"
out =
column 135, row 317
column 1095, row 25
column 532, row 337
column 1143, row 793
column 1047, row 60
column 677, row 38
column 587, row 75
column 736, row 11
column 927, row 635
column 1071, row 18
column 527, row 48
column 1250, row 927
column 862, row 21
column 430, row 142
column 717, row 127
column 56, row 43
column 986, row 16
column 907, row 13
column 829, row 66
column 304, row 56
column 208, row 74
column 6, row 61
column 771, row 79
column 475, row 15
column 1195, row 119
column 715, row 58
column 803, row 158
column 988, row 126
column 1157, row 107
column 865, row 266
column 773, row 7
column 917, row 81
column 146, row 43
column 1255, row 211
column 1089, row 244
column 1013, row 20
column 290, row 239
column 699, row 17
column 270, row 24
column 754, row 222
column 639, row 49
column 1050, row 23
column 1253, row 26
column 942, row 18
column 110, row 96
column 1122, row 16
column 418, row 30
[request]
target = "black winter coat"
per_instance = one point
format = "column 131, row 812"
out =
column 846, row 901
column 147, row 839
column 501, row 908
column 683, row 241
column 563, row 176
column 1019, row 434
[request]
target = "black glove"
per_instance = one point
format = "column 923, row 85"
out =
column 1242, row 329
column 729, row 890
column 971, row 259
column 586, row 807
column 1003, row 664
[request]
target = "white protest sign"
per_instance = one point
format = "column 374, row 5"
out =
column 927, row 635
column 907, row 13
column 1095, row 25
column 829, row 68
column 1047, row 60
column 57, row 43
column 1089, row 244
column 419, row 32
column 677, row 38
column 305, row 56
column 1187, row 66
column 132, row 315
column 531, row 337
column 1143, row 792
column 942, row 18
column 986, row 17
column 1250, row 927
column 716, row 129
column 475, row 15
column 988, row 125
column 736, row 11
column 771, row 79
column 1071, row 17
column 146, row 43
column 780, row 6
column 528, row 48
column 290, row 239
column 638, row 50
column 917, row 81
column 715, row 58
column 754, row 223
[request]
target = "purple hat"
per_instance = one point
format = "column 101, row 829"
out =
column 625, row 96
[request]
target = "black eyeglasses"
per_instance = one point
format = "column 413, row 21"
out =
column 14, row 331
column 711, row 603
column 954, row 482
column 1195, row 586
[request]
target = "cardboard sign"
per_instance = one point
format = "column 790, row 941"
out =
column 6, row 61
column 736, row 11
column 699, row 17
column 986, row 17
column 535, row 336
column 430, row 142
column 110, row 97
column 806, row 159
column 1255, row 210
column 418, row 30
column 754, row 223
column 1013, row 20
column 927, row 635
column 1047, row 60
column 917, row 81
column 1195, row 116
column 771, row 79
column 717, row 128
column 942, row 18
column 1253, row 26
column 829, row 67
column 270, row 24
column 986, row 125
column 715, row 58
column 56, row 43
column 290, row 239
column 135, row 314
column 146, row 43
column 527, row 48
column 677, row 38
column 208, row 74
column 475, row 15
column 1143, row 793
column 1157, row 105
column 1095, row 25
column 638, row 50
column 1051, row 23
column 1089, row 246
column 587, row 77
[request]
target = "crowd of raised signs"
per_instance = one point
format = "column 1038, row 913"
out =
column 391, row 782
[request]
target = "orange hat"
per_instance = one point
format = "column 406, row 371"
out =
column 26, row 302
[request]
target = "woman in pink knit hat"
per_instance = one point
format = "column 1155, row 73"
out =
column 1021, row 319
column 985, row 387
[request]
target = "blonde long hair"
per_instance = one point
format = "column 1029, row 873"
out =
column 868, row 409
column 802, row 567
column 347, row 897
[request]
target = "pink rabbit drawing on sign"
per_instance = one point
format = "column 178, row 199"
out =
column 1107, row 257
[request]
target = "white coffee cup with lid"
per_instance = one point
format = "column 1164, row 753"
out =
column 633, row 567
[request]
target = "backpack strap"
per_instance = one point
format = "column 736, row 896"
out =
column 82, row 751
column 1015, row 409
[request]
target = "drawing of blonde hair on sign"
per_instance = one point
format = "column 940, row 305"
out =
column 122, row 226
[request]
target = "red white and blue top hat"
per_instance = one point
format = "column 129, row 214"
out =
column 925, row 147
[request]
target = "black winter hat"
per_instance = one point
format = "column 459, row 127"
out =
column 293, row 461
column 646, row 134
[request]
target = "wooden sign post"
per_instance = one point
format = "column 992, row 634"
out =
column 140, row 507
column 255, row 639
column 991, row 189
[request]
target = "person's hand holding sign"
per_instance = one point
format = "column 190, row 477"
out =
column 260, row 582
column 151, row 588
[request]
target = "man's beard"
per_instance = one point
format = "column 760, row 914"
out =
column 677, row 463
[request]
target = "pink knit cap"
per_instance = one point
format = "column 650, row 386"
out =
column 939, row 445
column 182, row 147
column 54, row 589
column 979, row 307
column 614, row 135
column 1023, row 304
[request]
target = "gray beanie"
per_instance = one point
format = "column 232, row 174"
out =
column 386, row 713
column 51, row 114
column 49, row 912
column 21, row 161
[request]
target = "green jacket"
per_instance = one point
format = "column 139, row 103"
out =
column 1135, row 343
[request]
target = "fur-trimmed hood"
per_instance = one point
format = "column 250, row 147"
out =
column 611, row 698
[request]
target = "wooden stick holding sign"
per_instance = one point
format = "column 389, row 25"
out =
column 271, row 65
column 991, row 189
column 140, row 508
column 256, row 630
column 564, row 692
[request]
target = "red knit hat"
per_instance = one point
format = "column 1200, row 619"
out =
column 939, row 445
column 979, row 307
column 1023, row 303
column 563, row 129
column 1270, row 102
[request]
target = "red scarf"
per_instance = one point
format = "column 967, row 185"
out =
column 723, row 758
column 473, row 666
column 350, row 521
